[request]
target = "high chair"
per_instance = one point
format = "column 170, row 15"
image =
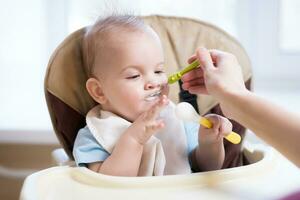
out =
column 68, row 102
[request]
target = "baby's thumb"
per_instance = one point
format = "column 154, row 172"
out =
column 205, row 59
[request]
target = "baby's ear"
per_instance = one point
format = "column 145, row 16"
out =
column 94, row 88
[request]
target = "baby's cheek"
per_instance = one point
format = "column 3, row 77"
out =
column 131, row 96
column 131, row 99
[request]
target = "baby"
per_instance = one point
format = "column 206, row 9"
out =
column 134, row 131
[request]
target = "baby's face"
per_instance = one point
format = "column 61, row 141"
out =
column 133, row 74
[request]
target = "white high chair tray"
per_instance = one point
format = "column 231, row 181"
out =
column 271, row 176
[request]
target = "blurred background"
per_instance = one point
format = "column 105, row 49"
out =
column 30, row 31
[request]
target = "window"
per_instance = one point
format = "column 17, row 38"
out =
column 289, row 25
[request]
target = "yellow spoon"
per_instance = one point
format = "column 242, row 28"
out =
column 186, row 112
column 175, row 77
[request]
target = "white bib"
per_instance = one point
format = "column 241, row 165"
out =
column 165, row 153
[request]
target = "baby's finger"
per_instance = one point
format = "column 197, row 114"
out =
column 155, row 126
column 156, row 108
column 226, row 127
column 215, row 120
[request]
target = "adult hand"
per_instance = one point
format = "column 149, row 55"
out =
column 219, row 74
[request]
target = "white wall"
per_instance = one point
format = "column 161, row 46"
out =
column 22, row 64
column 259, row 31
column 30, row 30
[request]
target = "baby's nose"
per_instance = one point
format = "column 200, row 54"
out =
column 152, row 85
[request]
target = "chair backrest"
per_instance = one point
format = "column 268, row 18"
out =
column 66, row 95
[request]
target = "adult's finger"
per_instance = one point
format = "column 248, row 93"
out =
column 198, row 90
column 215, row 54
column 219, row 56
column 196, row 73
column 195, row 85
column 192, row 58
column 194, row 82
column 204, row 57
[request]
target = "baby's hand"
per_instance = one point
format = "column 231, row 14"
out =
column 221, row 128
column 146, row 124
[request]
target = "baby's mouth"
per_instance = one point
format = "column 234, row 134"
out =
column 153, row 96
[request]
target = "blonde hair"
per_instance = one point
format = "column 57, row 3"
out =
column 97, row 34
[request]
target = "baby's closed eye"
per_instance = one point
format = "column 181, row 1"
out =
column 133, row 76
column 159, row 72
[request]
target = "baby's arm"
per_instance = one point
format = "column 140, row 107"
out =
column 126, row 156
column 124, row 160
column 210, row 153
